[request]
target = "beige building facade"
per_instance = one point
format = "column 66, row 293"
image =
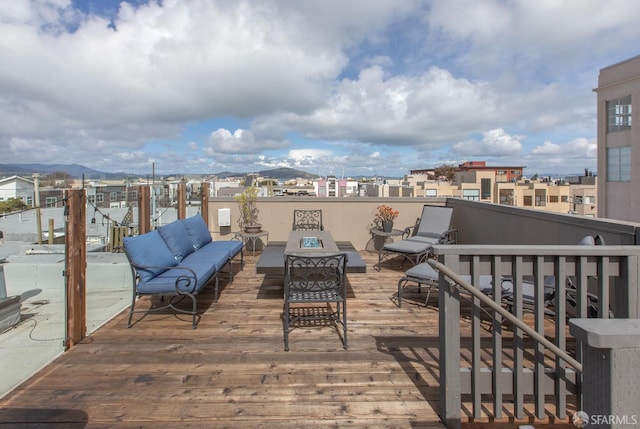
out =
column 556, row 196
column 618, row 94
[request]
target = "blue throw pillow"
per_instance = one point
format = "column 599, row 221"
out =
column 177, row 238
column 149, row 250
column 198, row 231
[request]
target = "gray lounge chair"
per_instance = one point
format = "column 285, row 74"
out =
column 424, row 275
column 432, row 228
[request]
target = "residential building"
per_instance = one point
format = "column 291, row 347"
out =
column 502, row 174
column 507, row 186
column 618, row 138
column 17, row 187
column 333, row 187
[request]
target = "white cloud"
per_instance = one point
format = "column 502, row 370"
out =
column 400, row 110
column 494, row 143
column 387, row 77
column 222, row 141
column 577, row 148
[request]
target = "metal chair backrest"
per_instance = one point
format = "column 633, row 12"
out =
column 307, row 220
column 315, row 282
column 315, row 278
column 434, row 221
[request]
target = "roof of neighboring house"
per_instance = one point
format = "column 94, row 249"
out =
column 15, row 178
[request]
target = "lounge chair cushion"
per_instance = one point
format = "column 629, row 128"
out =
column 425, row 272
column 198, row 231
column 149, row 250
column 422, row 271
column 409, row 246
column 176, row 236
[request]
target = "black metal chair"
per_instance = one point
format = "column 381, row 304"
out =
column 315, row 280
column 307, row 220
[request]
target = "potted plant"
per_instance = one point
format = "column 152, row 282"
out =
column 247, row 203
column 384, row 217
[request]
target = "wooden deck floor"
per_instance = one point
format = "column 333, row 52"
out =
column 232, row 371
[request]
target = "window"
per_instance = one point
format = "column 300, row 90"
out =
column 553, row 198
column 51, row 201
column 619, row 114
column 485, row 185
column 100, row 197
column 589, row 199
column 507, row 198
column 619, row 164
column 527, row 200
column 113, row 196
column 471, row 194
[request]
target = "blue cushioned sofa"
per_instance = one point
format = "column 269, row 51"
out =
column 178, row 259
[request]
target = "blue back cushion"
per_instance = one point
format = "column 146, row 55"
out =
column 177, row 238
column 149, row 249
column 198, row 231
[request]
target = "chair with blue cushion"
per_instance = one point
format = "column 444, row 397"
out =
column 177, row 260
column 155, row 272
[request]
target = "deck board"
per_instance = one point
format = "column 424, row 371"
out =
column 232, row 371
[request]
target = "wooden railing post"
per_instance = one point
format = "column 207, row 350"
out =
column 449, row 320
column 144, row 209
column 182, row 200
column 204, row 202
column 75, row 269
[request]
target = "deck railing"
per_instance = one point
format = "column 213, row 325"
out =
column 503, row 365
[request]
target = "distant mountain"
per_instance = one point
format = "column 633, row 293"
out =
column 77, row 171
column 73, row 170
column 286, row 174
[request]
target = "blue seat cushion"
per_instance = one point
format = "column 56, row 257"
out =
column 213, row 256
column 198, row 231
column 166, row 281
column 232, row 247
column 177, row 239
column 149, row 250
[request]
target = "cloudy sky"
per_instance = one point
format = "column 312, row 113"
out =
column 354, row 88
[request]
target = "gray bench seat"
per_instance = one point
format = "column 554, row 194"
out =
column 272, row 259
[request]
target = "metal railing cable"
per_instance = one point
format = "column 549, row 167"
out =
column 506, row 314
